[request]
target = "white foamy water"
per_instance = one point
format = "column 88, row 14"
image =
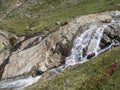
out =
column 18, row 83
column 88, row 43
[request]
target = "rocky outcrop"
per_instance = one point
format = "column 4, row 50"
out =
column 43, row 55
column 5, row 46
column 105, row 41
column 38, row 55
column 111, row 35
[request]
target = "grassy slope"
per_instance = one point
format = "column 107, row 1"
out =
column 96, row 74
column 40, row 15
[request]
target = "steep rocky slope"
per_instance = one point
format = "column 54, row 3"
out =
column 38, row 55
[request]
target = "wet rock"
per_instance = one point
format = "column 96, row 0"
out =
column 118, row 38
column 84, row 52
column 106, row 21
column 90, row 55
column 102, row 46
column 113, row 31
column 63, row 49
column 109, row 31
column 106, row 40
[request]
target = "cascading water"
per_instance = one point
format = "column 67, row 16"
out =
column 85, row 46
column 12, row 84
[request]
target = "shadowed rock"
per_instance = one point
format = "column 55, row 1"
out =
column 106, row 40
column 90, row 55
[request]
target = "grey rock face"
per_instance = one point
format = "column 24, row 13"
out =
column 5, row 46
column 111, row 33
column 43, row 55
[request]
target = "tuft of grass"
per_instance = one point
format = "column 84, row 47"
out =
column 33, row 17
column 100, row 73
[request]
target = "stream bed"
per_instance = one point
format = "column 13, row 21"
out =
column 85, row 46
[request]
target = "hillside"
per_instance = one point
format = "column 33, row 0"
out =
column 59, row 44
column 45, row 16
column 100, row 73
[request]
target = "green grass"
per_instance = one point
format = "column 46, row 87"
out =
column 92, row 75
column 49, row 12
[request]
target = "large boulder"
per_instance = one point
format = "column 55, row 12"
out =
column 38, row 55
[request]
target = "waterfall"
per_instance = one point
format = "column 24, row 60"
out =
column 85, row 46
